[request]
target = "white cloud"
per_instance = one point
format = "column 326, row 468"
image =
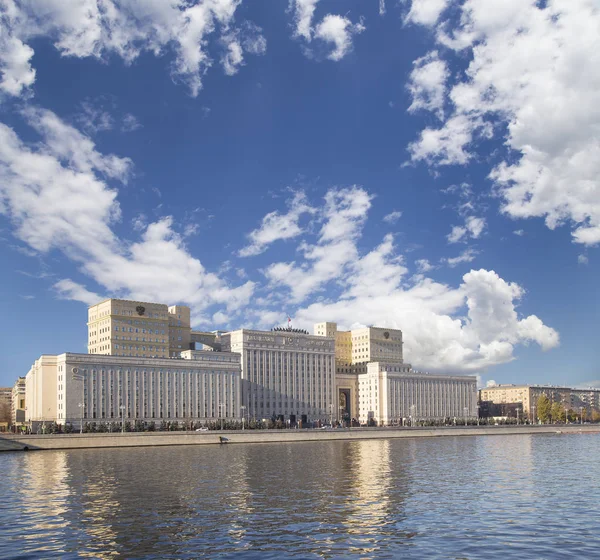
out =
column 392, row 217
column 125, row 28
column 535, row 76
column 339, row 31
column 94, row 119
column 303, row 15
column 423, row 265
column 582, row 259
column 491, row 383
column 236, row 43
column 130, row 123
column 343, row 216
column 462, row 329
column 468, row 255
column 335, row 29
column 427, row 84
column 381, row 7
column 472, row 229
column 276, row 226
column 54, row 194
column 436, row 334
column 67, row 289
column 426, row 12
column 519, row 232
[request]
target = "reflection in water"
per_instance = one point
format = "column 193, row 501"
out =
column 434, row 498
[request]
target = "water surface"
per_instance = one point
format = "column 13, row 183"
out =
column 518, row 496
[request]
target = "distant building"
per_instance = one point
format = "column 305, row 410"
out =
column 203, row 386
column 528, row 395
column 138, row 329
column 18, row 402
column 287, row 374
column 5, row 407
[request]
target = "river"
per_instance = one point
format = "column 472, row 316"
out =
column 518, row 496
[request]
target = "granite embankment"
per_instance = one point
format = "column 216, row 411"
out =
column 80, row 441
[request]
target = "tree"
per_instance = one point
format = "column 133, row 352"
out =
column 557, row 412
column 544, row 408
column 595, row 415
column 5, row 412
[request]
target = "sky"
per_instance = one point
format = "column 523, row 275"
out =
column 427, row 165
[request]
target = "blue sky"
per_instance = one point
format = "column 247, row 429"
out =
column 428, row 165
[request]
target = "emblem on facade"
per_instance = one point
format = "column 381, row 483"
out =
column 386, row 335
column 140, row 309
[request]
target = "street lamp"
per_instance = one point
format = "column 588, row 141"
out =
column 478, row 415
column 331, row 414
column 243, row 409
column 81, row 406
column 122, row 409
column 581, row 414
column 465, row 409
column 517, row 416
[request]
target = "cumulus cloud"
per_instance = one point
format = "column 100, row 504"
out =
column 582, row 259
column 125, row 28
column 426, row 12
column 427, row 84
column 276, row 226
column 56, row 193
column 534, row 75
column 337, row 30
column 473, row 228
column 466, row 329
column 343, row 216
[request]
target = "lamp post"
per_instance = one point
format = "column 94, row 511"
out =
column 517, row 416
column 465, row 410
column 533, row 414
column 243, row 409
column 331, row 414
column 478, row 415
column 81, row 406
column 581, row 414
column 221, row 405
column 122, row 409
column 342, row 416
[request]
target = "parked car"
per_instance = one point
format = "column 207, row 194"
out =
column 203, row 429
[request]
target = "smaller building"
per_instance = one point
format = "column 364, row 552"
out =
column 528, row 395
column 5, row 407
column 18, row 403
column 394, row 394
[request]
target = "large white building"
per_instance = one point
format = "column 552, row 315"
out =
column 141, row 366
column 75, row 388
column 286, row 374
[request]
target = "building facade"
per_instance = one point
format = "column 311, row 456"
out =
column 5, row 407
column 79, row 388
column 394, row 394
column 286, row 374
column 373, row 384
column 18, row 402
column 139, row 329
column 528, row 395
column 354, row 351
